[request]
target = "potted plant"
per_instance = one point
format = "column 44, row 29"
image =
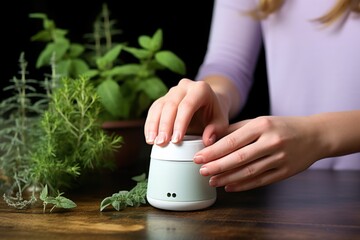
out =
column 127, row 78
column 50, row 138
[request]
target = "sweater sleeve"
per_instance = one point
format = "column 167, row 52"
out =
column 234, row 44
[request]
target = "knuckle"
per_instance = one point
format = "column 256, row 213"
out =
column 184, row 81
column 276, row 141
column 172, row 90
column 231, row 142
column 264, row 122
column 202, row 86
column 250, row 171
column 241, row 157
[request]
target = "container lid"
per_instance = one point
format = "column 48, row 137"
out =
column 182, row 151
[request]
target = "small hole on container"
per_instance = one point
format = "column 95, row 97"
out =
column 168, row 194
column 174, row 195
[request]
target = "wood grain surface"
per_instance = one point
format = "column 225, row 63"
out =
column 315, row 204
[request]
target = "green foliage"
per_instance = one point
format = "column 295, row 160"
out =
column 67, row 55
column 18, row 130
column 57, row 202
column 128, row 87
column 135, row 197
column 138, row 83
column 72, row 140
column 49, row 139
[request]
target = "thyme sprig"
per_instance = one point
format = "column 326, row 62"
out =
column 135, row 197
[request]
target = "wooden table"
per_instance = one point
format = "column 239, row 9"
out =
column 312, row 205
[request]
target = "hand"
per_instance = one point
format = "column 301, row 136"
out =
column 188, row 108
column 259, row 152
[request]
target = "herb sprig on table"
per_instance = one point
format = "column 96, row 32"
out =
column 135, row 197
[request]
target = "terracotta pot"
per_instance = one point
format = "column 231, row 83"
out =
column 134, row 150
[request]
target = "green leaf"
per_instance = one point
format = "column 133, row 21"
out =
column 145, row 42
column 124, row 70
column 59, row 34
column 43, row 36
column 138, row 53
column 139, row 178
column 44, row 193
column 171, row 61
column 153, row 87
column 109, row 57
column 59, row 48
column 124, row 198
column 64, row 68
column 75, row 50
column 63, row 202
column 78, row 67
column 50, row 200
column 117, row 205
column 105, row 203
column 110, row 96
column 157, row 41
column 38, row 15
column 91, row 73
column 47, row 23
column 129, row 202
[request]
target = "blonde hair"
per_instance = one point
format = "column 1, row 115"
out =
column 267, row 7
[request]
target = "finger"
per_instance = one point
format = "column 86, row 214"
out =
column 214, row 130
column 228, row 145
column 266, row 178
column 168, row 115
column 246, row 172
column 152, row 121
column 241, row 157
column 196, row 97
column 233, row 127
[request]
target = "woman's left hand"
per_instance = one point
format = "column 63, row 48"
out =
column 260, row 151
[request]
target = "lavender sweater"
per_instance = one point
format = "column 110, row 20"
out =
column 311, row 69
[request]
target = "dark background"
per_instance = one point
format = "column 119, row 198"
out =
column 185, row 26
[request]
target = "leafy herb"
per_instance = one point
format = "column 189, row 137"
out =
column 72, row 141
column 57, row 202
column 18, row 130
column 135, row 197
column 68, row 55
column 52, row 140
column 126, row 77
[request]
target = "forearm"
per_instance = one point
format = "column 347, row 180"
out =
column 227, row 94
column 338, row 132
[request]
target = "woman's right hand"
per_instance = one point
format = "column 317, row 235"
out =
column 191, row 107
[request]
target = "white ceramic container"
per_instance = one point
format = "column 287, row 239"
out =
column 174, row 181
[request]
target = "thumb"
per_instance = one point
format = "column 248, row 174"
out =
column 213, row 132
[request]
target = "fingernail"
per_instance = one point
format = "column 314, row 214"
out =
column 150, row 138
column 212, row 139
column 213, row 182
column 175, row 137
column 198, row 159
column 204, row 171
column 228, row 189
column 160, row 138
